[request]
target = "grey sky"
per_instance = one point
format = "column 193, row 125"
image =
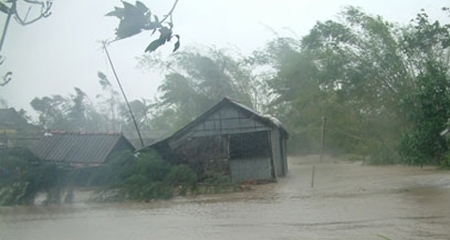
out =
column 63, row 51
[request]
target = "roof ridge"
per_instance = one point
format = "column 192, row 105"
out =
column 63, row 132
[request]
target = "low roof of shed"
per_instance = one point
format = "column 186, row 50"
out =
column 78, row 147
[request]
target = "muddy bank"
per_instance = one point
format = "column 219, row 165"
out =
column 348, row 201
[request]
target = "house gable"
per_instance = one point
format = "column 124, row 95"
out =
column 223, row 119
column 227, row 120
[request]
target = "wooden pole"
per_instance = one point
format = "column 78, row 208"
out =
column 312, row 176
column 324, row 125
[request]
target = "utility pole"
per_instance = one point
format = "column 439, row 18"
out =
column 324, row 125
column 123, row 93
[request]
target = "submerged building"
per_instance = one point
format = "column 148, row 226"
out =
column 230, row 138
column 80, row 149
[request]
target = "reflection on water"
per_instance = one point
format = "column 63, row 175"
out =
column 349, row 201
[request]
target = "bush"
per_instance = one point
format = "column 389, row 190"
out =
column 384, row 155
column 428, row 109
column 24, row 177
column 119, row 166
column 445, row 162
column 150, row 178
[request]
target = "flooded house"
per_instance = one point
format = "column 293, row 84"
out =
column 232, row 139
column 81, row 154
column 80, row 149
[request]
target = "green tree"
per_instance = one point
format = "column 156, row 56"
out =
column 359, row 72
column 423, row 143
column 300, row 99
column 141, row 109
column 363, row 61
column 110, row 105
column 195, row 81
column 77, row 112
column 72, row 113
column 427, row 107
column 51, row 112
column 23, row 177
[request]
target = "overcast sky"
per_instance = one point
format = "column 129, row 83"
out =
column 63, row 51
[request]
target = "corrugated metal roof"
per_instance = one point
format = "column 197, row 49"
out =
column 91, row 148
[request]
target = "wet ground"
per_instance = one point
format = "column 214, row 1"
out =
column 348, row 201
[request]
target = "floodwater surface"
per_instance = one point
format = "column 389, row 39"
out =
column 348, row 201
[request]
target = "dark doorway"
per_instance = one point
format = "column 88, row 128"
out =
column 249, row 145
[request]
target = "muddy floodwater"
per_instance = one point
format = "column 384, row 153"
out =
column 348, row 201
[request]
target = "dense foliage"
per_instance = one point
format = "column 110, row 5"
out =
column 423, row 143
column 195, row 80
column 124, row 176
column 149, row 177
column 383, row 87
column 23, row 177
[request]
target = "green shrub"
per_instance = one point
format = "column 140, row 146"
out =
column 118, row 167
column 384, row 155
column 150, row 178
column 445, row 161
column 25, row 177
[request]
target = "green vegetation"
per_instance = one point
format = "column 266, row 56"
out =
column 124, row 177
column 151, row 178
column 383, row 87
column 195, row 80
column 423, row 143
column 23, row 178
